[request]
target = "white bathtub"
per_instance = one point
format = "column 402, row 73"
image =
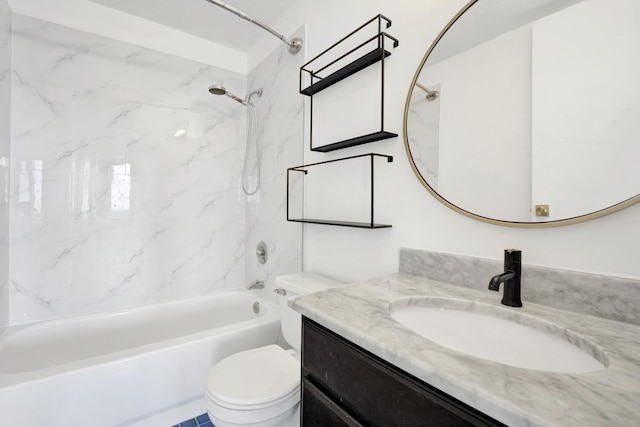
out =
column 123, row 366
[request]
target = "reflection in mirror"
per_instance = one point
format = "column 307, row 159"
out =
column 425, row 114
column 537, row 104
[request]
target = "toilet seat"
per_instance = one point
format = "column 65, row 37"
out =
column 254, row 384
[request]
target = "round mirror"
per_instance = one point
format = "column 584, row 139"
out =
column 527, row 112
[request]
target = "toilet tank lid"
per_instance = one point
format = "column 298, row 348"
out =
column 306, row 283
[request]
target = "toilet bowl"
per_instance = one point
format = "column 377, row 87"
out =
column 261, row 387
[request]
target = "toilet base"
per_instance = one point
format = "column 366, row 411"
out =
column 290, row 418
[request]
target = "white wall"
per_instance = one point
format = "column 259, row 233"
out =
column 488, row 88
column 608, row 245
column 585, row 146
column 5, row 148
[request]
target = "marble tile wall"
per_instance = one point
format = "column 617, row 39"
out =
column 5, row 145
column 280, row 132
column 124, row 175
column 603, row 296
column 424, row 134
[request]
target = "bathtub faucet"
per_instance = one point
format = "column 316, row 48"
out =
column 257, row 284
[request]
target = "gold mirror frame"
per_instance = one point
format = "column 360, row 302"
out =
column 567, row 221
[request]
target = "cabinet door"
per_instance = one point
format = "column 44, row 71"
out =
column 320, row 411
column 376, row 392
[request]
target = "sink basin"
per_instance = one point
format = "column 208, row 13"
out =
column 500, row 335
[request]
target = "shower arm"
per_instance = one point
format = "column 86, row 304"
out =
column 431, row 94
column 294, row 45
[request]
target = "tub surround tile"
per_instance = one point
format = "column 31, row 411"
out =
column 5, row 151
column 517, row 397
column 280, row 134
column 110, row 204
column 125, row 174
column 603, row 296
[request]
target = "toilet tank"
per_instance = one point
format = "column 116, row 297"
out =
column 296, row 285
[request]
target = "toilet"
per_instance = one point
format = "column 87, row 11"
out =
column 261, row 387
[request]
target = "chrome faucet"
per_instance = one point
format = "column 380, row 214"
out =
column 511, row 278
column 256, row 284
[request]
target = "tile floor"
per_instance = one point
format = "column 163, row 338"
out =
column 199, row 421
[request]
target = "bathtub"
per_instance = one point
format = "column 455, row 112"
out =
column 116, row 368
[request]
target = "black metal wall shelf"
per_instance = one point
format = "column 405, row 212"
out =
column 371, row 224
column 326, row 69
column 364, row 139
column 341, row 223
column 359, row 64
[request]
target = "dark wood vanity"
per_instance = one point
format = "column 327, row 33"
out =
column 345, row 385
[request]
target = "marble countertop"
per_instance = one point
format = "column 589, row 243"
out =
column 517, row 397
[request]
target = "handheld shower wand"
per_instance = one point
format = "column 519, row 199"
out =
column 252, row 130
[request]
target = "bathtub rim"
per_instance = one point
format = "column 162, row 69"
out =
column 14, row 379
column 129, row 308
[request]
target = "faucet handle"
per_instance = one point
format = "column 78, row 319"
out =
column 511, row 257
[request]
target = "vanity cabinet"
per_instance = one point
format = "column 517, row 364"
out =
column 344, row 385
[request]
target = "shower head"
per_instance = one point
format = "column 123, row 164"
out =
column 217, row 90
column 221, row 90
column 432, row 95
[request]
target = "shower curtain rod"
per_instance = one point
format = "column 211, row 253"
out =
column 294, row 45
